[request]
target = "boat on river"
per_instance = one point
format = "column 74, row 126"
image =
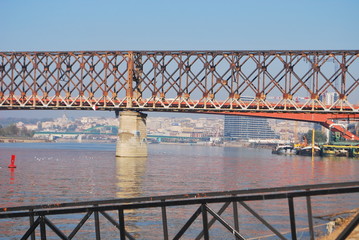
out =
column 327, row 152
column 354, row 152
column 342, row 153
column 340, row 150
column 307, row 151
column 284, row 150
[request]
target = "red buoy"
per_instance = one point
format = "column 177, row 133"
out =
column 12, row 162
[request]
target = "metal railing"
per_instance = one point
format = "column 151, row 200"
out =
column 38, row 215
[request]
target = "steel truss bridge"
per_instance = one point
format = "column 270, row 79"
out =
column 315, row 86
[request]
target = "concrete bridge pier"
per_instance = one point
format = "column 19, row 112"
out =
column 132, row 135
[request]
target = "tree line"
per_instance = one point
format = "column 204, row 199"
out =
column 319, row 136
column 13, row 131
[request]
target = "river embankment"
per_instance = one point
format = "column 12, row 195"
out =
column 21, row 140
column 337, row 224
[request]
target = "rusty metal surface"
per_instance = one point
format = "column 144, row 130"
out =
column 196, row 81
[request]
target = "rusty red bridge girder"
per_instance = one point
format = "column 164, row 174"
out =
column 315, row 85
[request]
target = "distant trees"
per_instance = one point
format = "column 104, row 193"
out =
column 319, row 136
column 13, row 131
column 72, row 127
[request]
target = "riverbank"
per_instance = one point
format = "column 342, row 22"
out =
column 62, row 140
column 21, row 140
column 336, row 226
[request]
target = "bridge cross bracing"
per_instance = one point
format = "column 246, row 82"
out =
column 320, row 83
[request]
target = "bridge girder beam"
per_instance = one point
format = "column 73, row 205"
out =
column 234, row 80
column 299, row 83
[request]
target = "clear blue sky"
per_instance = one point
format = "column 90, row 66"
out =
column 49, row 25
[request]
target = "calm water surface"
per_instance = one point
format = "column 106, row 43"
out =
column 63, row 172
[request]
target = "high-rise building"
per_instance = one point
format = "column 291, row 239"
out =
column 241, row 127
column 329, row 98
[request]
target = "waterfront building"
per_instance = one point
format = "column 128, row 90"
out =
column 245, row 128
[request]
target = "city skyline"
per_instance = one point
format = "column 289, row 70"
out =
column 206, row 126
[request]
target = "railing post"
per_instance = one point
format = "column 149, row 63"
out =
column 164, row 221
column 235, row 216
column 121, row 219
column 292, row 218
column 310, row 217
column 205, row 221
column 32, row 220
column 42, row 228
column 97, row 224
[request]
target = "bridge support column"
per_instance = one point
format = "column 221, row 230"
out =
column 132, row 136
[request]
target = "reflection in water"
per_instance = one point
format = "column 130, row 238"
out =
column 12, row 175
column 129, row 174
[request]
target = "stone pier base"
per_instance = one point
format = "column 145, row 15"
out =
column 132, row 136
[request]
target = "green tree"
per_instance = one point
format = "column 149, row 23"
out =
column 26, row 133
column 13, row 131
column 72, row 127
column 319, row 136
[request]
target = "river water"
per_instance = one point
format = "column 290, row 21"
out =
column 67, row 172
